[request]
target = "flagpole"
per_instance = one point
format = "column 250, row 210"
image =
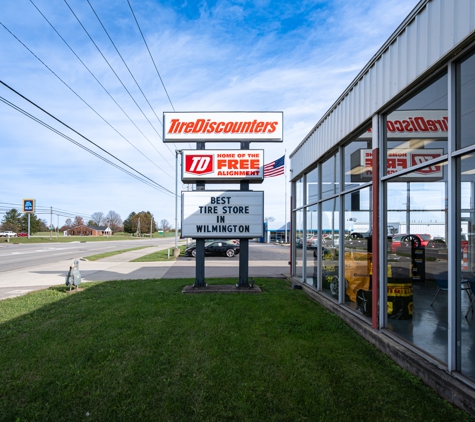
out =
column 285, row 181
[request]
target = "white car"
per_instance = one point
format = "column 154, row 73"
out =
column 7, row 233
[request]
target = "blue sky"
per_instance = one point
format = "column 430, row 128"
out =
column 211, row 55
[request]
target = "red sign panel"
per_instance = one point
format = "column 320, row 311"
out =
column 199, row 164
column 222, row 166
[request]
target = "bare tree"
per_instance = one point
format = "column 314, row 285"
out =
column 165, row 225
column 78, row 221
column 68, row 222
column 98, row 218
column 115, row 221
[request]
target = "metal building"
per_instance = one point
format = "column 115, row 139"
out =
column 397, row 150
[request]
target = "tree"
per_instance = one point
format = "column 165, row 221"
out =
column 11, row 220
column 78, row 221
column 128, row 223
column 91, row 223
column 114, row 221
column 97, row 219
column 68, row 223
column 165, row 225
column 36, row 224
column 132, row 222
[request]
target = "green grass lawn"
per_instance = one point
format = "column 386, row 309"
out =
column 44, row 237
column 163, row 255
column 112, row 253
column 143, row 351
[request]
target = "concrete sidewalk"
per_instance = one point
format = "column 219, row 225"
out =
column 19, row 282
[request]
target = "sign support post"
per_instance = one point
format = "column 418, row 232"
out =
column 200, row 243
column 244, row 243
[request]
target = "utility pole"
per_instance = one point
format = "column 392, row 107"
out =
column 151, row 219
column 51, row 224
column 138, row 228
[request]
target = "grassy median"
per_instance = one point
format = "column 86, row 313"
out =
column 142, row 350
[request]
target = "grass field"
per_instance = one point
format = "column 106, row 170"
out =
column 44, row 237
column 112, row 253
column 142, row 350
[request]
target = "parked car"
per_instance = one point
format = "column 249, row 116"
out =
column 436, row 244
column 396, row 241
column 220, row 247
column 22, row 234
column 7, row 233
column 416, row 240
column 410, row 240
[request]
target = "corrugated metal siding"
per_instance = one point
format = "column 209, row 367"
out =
column 433, row 29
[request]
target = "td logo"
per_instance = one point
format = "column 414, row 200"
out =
column 199, row 164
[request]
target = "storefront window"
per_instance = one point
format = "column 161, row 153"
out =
column 299, row 193
column 417, row 277
column 358, row 168
column 312, row 243
column 312, row 187
column 357, row 259
column 300, row 236
column 331, row 176
column 467, row 245
column 417, row 130
column 466, row 102
column 328, row 244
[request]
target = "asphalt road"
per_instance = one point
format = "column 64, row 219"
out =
column 17, row 256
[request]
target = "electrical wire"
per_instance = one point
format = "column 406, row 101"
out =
column 143, row 178
column 120, row 80
column 153, row 61
column 127, row 67
column 158, row 73
column 102, row 86
column 75, row 93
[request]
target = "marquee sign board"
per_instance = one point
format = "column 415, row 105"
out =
column 223, row 127
column 222, row 166
column 222, row 214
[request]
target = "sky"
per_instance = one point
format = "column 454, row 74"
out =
column 221, row 55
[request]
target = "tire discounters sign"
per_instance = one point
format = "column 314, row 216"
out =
column 222, row 214
column 222, row 127
column 220, row 166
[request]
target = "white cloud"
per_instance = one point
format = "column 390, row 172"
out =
column 223, row 55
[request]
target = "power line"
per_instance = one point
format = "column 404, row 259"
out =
column 153, row 61
column 75, row 93
column 158, row 73
column 147, row 180
column 120, row 80
column 102, row 86
column 127, row 67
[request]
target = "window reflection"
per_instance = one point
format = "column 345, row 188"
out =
column 358, row 161
column 467, row 263
column 299, row 233
column 417, row 255
column 417, row 131
column 331, row 176
column 328, row 246
column 357, row 258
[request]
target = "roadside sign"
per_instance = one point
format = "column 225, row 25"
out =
column 223, row 126
column 222, row 214
column 222, row 166
column 28, row 205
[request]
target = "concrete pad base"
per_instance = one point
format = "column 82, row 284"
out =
column 221, row 288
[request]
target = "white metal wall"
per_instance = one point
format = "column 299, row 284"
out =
column 428, row 35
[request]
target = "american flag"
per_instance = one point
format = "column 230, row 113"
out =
column 274, row 168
